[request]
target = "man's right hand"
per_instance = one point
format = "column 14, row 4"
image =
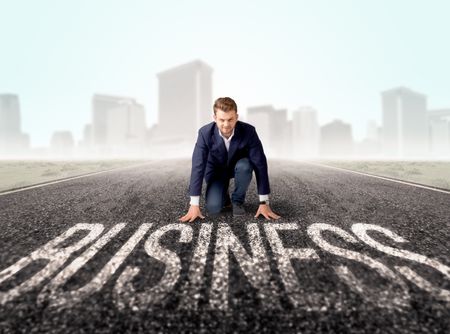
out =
column 193, row 213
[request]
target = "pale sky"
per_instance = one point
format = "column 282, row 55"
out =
column 336, row 55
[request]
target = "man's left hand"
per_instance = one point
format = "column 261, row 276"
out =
column 266, row 211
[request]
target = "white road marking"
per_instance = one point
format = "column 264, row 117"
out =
column 422, row 283
column 191, row 291
column 296, row 293
column 69, row 179
column 55, row 294
column 380, row 177
column 385, row 296
column 124, row 292
column 56, row 257
column 360, row 231
column 256, row 268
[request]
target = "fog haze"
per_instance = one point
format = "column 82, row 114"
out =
column 335, row 59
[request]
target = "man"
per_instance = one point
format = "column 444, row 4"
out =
column 225, row 149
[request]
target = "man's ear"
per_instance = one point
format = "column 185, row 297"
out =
column 237, row 116
column 215, row 117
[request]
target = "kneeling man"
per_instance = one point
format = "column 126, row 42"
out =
column 225, row 149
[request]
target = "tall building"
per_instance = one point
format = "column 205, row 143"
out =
column 336, row 139
column 439, row 132
column 118, row 124
column 87, row 140
column 62, row 143
column 405, row 129
column 305, row 133
column 12, row 140
column 273, row 129
column 185, row 102
column 370, row 146
column 372, row 131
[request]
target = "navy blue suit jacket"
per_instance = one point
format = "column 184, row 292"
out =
column 211, row 160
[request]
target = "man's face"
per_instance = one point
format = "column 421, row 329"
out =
column 226, row 121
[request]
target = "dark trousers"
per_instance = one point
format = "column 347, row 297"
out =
column 217, row 190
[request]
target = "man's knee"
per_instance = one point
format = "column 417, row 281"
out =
column 243, row 166
column 213, row 207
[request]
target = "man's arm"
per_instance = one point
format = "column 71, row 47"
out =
column 199, row 157
column 259, row 161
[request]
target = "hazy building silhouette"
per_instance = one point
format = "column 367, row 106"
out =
column 336, row 139
column 273, row 129
column 405, row 129
column 305, row 133
column 439, row 132
column 185, row 102
column 12, row 140
column 87, row 140
column 373, row 131
column 118, row 125
column 62, row 143
column 86, row 144
column 371, row 145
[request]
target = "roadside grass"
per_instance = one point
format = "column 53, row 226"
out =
column 430, row 173
column 18, row 174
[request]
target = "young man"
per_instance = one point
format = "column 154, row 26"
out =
column 225, row 149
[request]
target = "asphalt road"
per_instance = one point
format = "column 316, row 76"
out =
column 106, row 253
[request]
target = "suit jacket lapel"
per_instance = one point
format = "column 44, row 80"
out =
column 234, row 141
column 219, row 142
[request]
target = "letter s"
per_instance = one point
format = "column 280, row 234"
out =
column 387, row 296
column 361, row 231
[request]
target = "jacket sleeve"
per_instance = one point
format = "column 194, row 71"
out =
column 259, row 162
column 199, row 158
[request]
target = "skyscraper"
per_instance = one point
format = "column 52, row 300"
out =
column 12, row 140
column 273, row 129
column 62, row 143
column 405, row 129
column 118, row 124
column 370, row 146
column 185, row 101
column 439, row 132
column 372, row 131
column 336, row 139
column 305, row 133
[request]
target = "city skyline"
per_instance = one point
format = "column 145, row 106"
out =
column 118, row 126
column 188, row 87
column 333, row 56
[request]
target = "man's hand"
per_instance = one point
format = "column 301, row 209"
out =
column 266, row 211
column 193, row 213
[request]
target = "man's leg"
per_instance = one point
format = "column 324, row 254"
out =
column 242, row 177
column 215, row 195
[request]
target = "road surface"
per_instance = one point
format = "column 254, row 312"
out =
column 106, row 252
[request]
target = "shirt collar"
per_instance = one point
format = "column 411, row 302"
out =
column 229, row 138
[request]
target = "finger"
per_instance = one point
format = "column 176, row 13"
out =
column 266, row 215
column 274, row 215
column 257, row 214
column 192, row 219
column 183, row 219
column 202, row 217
